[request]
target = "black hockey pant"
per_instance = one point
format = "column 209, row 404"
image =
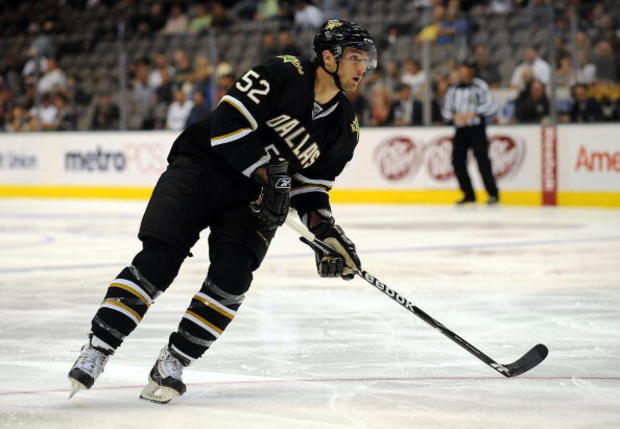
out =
column 189, row 197
column 473, row 137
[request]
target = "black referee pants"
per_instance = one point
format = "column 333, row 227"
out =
column 473, row 137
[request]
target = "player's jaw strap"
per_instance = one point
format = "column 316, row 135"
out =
column 334, row 74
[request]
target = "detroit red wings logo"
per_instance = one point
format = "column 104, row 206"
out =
column 506, row 154
column 398, row 157
column 439, row 159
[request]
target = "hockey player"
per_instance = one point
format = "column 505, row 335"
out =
column 278, row 138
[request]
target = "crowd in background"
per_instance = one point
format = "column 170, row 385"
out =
column 171, row 89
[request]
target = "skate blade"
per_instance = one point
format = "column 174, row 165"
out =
column 76, row 386
column 159, row 394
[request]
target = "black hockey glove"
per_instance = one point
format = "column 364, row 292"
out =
column 341, row 263
column 273, row 203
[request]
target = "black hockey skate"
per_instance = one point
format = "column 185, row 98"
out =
column 165, row 380
column 88, row 366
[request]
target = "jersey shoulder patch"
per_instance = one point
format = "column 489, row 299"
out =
column 355, row 127
column 294, row 61
column 350, row 117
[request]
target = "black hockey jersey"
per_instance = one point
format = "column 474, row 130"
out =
column 270, row 112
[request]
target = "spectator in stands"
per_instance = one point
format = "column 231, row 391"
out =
column 440, row 88
column 604, row 28
column 532, row 105
column 142, row 93
column 267, row 9
column 308, row 15
column 106, row 114
column 388, row 40
column 202, row 21
column 451, row 27
column 582, row 42
column 414, row 77
column 392, row 74
column 201, row 79
column 605, row 62
column 177, row 21
column 286, row 13
column 219, row 17
column 74, row 92
column 19, row 120
column 44, row 115
column 10, row 71
column 268, row 48
column 182, row 67
column 486, row 69
column 223, row 68
column 430, row 32
column 66, row 119
column 53, row 79
column 160, row 63
column 199, row 111
column 7, row 101
column 405, row 110
column 584, row 108
column 155, row 118
column 165, row 90
column 224, row 82
column 564, row 73
column 286, row 45
column 42, row 44
column 26, row 99
column 156, row 19
column 178, row 111
column 595, row 9
column 360, row 104
column 610, row 109
column 34, row 66
column 586, row 71
column 380, row 105
column 532, row 67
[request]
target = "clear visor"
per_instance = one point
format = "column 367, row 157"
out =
column 361, row 54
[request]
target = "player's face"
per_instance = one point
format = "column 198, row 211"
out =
column 353, row 65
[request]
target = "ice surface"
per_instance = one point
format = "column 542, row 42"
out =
column 306, row 352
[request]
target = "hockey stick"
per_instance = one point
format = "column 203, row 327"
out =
column 536, row 355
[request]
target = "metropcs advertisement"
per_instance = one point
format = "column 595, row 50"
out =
column 578, row 164
column 103, row 159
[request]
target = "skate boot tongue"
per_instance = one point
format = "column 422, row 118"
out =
column 165, row 379
column 88, row 366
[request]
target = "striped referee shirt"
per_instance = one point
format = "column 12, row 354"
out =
column 469, row 97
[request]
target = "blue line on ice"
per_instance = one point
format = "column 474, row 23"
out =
column 492, row 245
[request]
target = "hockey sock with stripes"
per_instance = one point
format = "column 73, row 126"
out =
column 208, row 315
column 126, row 301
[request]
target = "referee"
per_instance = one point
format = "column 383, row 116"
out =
column 466, row 105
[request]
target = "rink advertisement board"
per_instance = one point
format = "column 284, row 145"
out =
column 104, row 164
column 411, row 162
column 409, row 165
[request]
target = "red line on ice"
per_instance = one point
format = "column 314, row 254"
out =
column 318, row 380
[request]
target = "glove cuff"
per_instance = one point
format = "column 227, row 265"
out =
column 322, row 229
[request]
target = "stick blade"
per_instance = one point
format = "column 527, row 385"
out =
column 536, row 355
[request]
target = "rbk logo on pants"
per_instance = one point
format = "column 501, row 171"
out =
column 283, row 183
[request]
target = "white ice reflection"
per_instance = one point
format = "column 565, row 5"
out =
column 306, row 352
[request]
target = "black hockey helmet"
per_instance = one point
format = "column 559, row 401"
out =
column 336, row 34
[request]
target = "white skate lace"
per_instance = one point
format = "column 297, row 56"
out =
column 91, row 361
column 170, row 366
